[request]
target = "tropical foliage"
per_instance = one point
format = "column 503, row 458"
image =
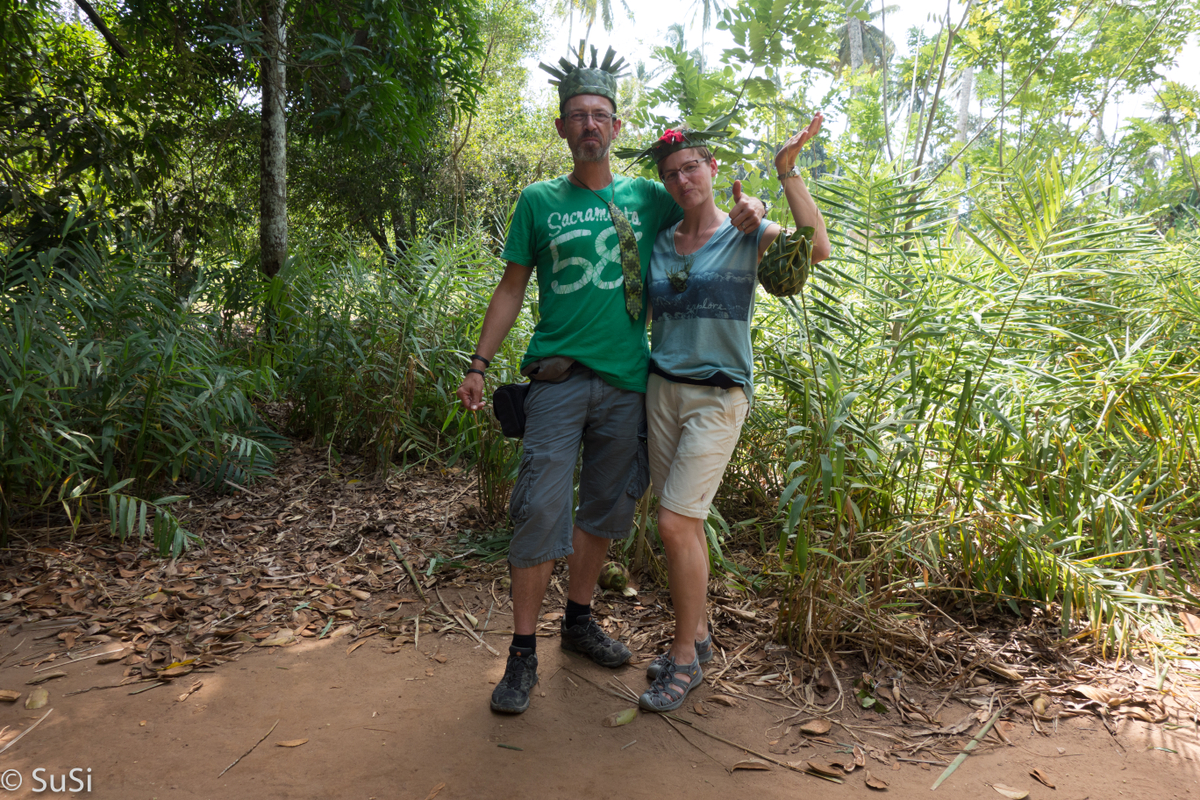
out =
column 987, row 393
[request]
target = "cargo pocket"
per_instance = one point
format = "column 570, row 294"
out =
column 639, row 481
column 521, row 502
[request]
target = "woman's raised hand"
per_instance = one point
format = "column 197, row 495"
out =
column 785, row 159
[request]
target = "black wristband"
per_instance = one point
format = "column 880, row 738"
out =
column 486, row 362
column 478, row 372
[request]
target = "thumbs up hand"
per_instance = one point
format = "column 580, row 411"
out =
column 747, row 211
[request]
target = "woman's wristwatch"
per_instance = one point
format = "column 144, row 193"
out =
column 794, row 172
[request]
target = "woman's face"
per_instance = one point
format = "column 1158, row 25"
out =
column 688, row 177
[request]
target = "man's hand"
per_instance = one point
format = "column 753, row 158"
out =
column 747, row 211
column 470, row 392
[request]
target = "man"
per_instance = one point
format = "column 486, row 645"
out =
column 589, row 237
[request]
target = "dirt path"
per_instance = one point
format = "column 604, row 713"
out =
column 402, row 724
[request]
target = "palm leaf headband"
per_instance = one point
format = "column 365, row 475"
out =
column 575, row 78
column 676, row 139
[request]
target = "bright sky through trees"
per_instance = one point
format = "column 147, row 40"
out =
column 636, row 39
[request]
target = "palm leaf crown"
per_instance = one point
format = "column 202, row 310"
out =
column 577, row 78
column 676, row 139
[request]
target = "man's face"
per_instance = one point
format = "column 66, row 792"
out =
column 588, row 138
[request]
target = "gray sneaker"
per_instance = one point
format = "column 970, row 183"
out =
column 704, row 654
column 511, row 695
column 586, row 637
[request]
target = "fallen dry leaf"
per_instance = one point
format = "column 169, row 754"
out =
column 815, row 727
column 355, row 646
column 1142, row 714
column 1191, row 623
column 723, row 700
column 1100, row 694
column 878, row 784
column 1004, row 671
column 175, row 671
column 292, row 743
column 750, row 763
column 195, row 687
column 820, row 770
column 37, row 698
column 860, row 756
column 699, row 709
column 282, row 638
column 619, row 718
column 345, row 630
column 1010, row 792
column 115, row 655
column 49, row 676
column 9, row 696
column 359, row 594
column 434, row 791
column 1040, row 777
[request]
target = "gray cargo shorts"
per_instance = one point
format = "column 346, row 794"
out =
column 610, row 423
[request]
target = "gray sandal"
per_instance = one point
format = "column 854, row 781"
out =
column 704, row 654
column 668, row 691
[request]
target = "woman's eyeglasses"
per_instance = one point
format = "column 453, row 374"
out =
column 688, row 171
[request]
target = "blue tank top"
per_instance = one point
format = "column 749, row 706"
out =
column 702, row 326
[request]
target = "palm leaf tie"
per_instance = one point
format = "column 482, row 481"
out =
column 631, row 261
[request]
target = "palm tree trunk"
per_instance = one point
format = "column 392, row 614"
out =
column 854, row 30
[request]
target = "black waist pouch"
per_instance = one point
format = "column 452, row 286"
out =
column 508, row 404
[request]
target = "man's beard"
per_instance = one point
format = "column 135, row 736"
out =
column 590, row 151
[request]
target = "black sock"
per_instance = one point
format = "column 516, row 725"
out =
column 575, row 611
column 525, row 641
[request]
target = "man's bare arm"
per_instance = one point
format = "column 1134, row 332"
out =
column 502, row 312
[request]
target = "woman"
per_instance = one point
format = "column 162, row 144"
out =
column 702, row 284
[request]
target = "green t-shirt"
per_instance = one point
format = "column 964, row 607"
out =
column 564, row 232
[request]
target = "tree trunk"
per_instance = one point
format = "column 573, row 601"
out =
column 272, row 226
column 854, row 30
column 887, row 133
column 1000, row 159
column 966, row 84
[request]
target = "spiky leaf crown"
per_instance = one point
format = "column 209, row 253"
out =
column 578, row 78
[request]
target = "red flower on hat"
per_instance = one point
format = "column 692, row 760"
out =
column 671, row 137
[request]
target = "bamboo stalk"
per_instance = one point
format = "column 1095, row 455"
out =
column 966, row 751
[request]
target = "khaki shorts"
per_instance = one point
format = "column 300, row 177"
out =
column 693, row 430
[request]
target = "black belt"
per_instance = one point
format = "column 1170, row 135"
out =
column 718, row 379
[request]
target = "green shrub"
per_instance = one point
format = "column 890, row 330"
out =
column 111, row 381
